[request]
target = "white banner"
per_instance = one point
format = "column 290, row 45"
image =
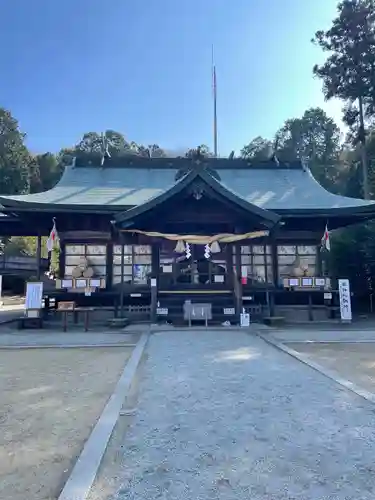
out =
column 345, row 302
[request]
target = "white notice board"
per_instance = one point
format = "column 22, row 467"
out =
column 345, row 302
column 34, row 295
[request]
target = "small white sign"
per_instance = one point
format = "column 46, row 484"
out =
column 81, row 283
column 229, row 311
column 95, row 282
column 245, row 319
column 345, row 301
column 294, row 282
column 162, row 311
column 32, row 313
column 219, row 278
column 320, row 281
column 67, row 283
column 328, row 296
column 167, row 268
column 153, row 282
column 307, row 281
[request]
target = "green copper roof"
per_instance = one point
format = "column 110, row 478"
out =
column 268, row 186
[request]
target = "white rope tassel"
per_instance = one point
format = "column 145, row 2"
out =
column 180, row 247
column 187, row 251
column 207, row 251
column 215, row 247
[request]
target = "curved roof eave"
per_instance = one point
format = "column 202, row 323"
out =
column 20, row 205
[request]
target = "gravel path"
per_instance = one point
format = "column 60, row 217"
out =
column 50, row 400
column 226, row 416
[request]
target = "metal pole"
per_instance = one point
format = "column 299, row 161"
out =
column 215, row 109
column 362, row 140
column 122, row 274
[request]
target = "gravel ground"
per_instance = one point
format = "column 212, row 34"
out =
column 58, row 338
column 226, row 416
column 50, row 400
column 326, row 333
column 355, row 362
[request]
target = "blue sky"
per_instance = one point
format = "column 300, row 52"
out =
column 143, row 67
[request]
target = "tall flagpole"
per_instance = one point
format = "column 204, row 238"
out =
column 215, row 109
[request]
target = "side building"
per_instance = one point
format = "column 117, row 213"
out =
column 220, row 231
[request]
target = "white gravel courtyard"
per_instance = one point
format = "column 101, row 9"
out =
column 224, row 415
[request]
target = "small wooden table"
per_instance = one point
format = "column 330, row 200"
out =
column 65, row 308
column 86, row 311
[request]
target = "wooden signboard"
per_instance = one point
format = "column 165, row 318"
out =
column 66, row 306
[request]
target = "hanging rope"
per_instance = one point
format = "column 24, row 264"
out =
column 199, row 239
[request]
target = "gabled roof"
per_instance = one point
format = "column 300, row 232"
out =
column 284, row 189
column 267, row 217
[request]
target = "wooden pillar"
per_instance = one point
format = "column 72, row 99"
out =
column 275, row 271
column 155, row 259
column 229, row 260
column 275, row 263
column 238, row 282
column 62, row 260
column 122, row 274
column 154, row 299
column 310, row 309
column 154, row 281
column 109, row 265
column 38, row 256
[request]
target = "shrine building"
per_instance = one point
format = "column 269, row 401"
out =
column 228, row 232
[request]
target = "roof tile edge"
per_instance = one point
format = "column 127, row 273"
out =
column 177, row 163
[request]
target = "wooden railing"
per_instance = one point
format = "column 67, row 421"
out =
column 24, row 263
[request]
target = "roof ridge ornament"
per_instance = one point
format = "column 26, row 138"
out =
column 104, row 151
column 197, row 163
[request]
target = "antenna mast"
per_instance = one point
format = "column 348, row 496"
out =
column 215, row 95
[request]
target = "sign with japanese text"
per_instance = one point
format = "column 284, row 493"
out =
column 345, row 302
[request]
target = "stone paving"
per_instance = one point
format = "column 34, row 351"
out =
column 224, row 415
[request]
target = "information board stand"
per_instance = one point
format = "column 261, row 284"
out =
column 33, row 317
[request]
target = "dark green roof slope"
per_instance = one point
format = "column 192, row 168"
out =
column 287, row 187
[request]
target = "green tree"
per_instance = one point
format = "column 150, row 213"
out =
column 15, row 162
column 50, row 170
column 348, row 73
column 315, row 139
column 65, row 157
column 203, row 149
column 90, row 143
column 156, row 151
column 259, row 149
